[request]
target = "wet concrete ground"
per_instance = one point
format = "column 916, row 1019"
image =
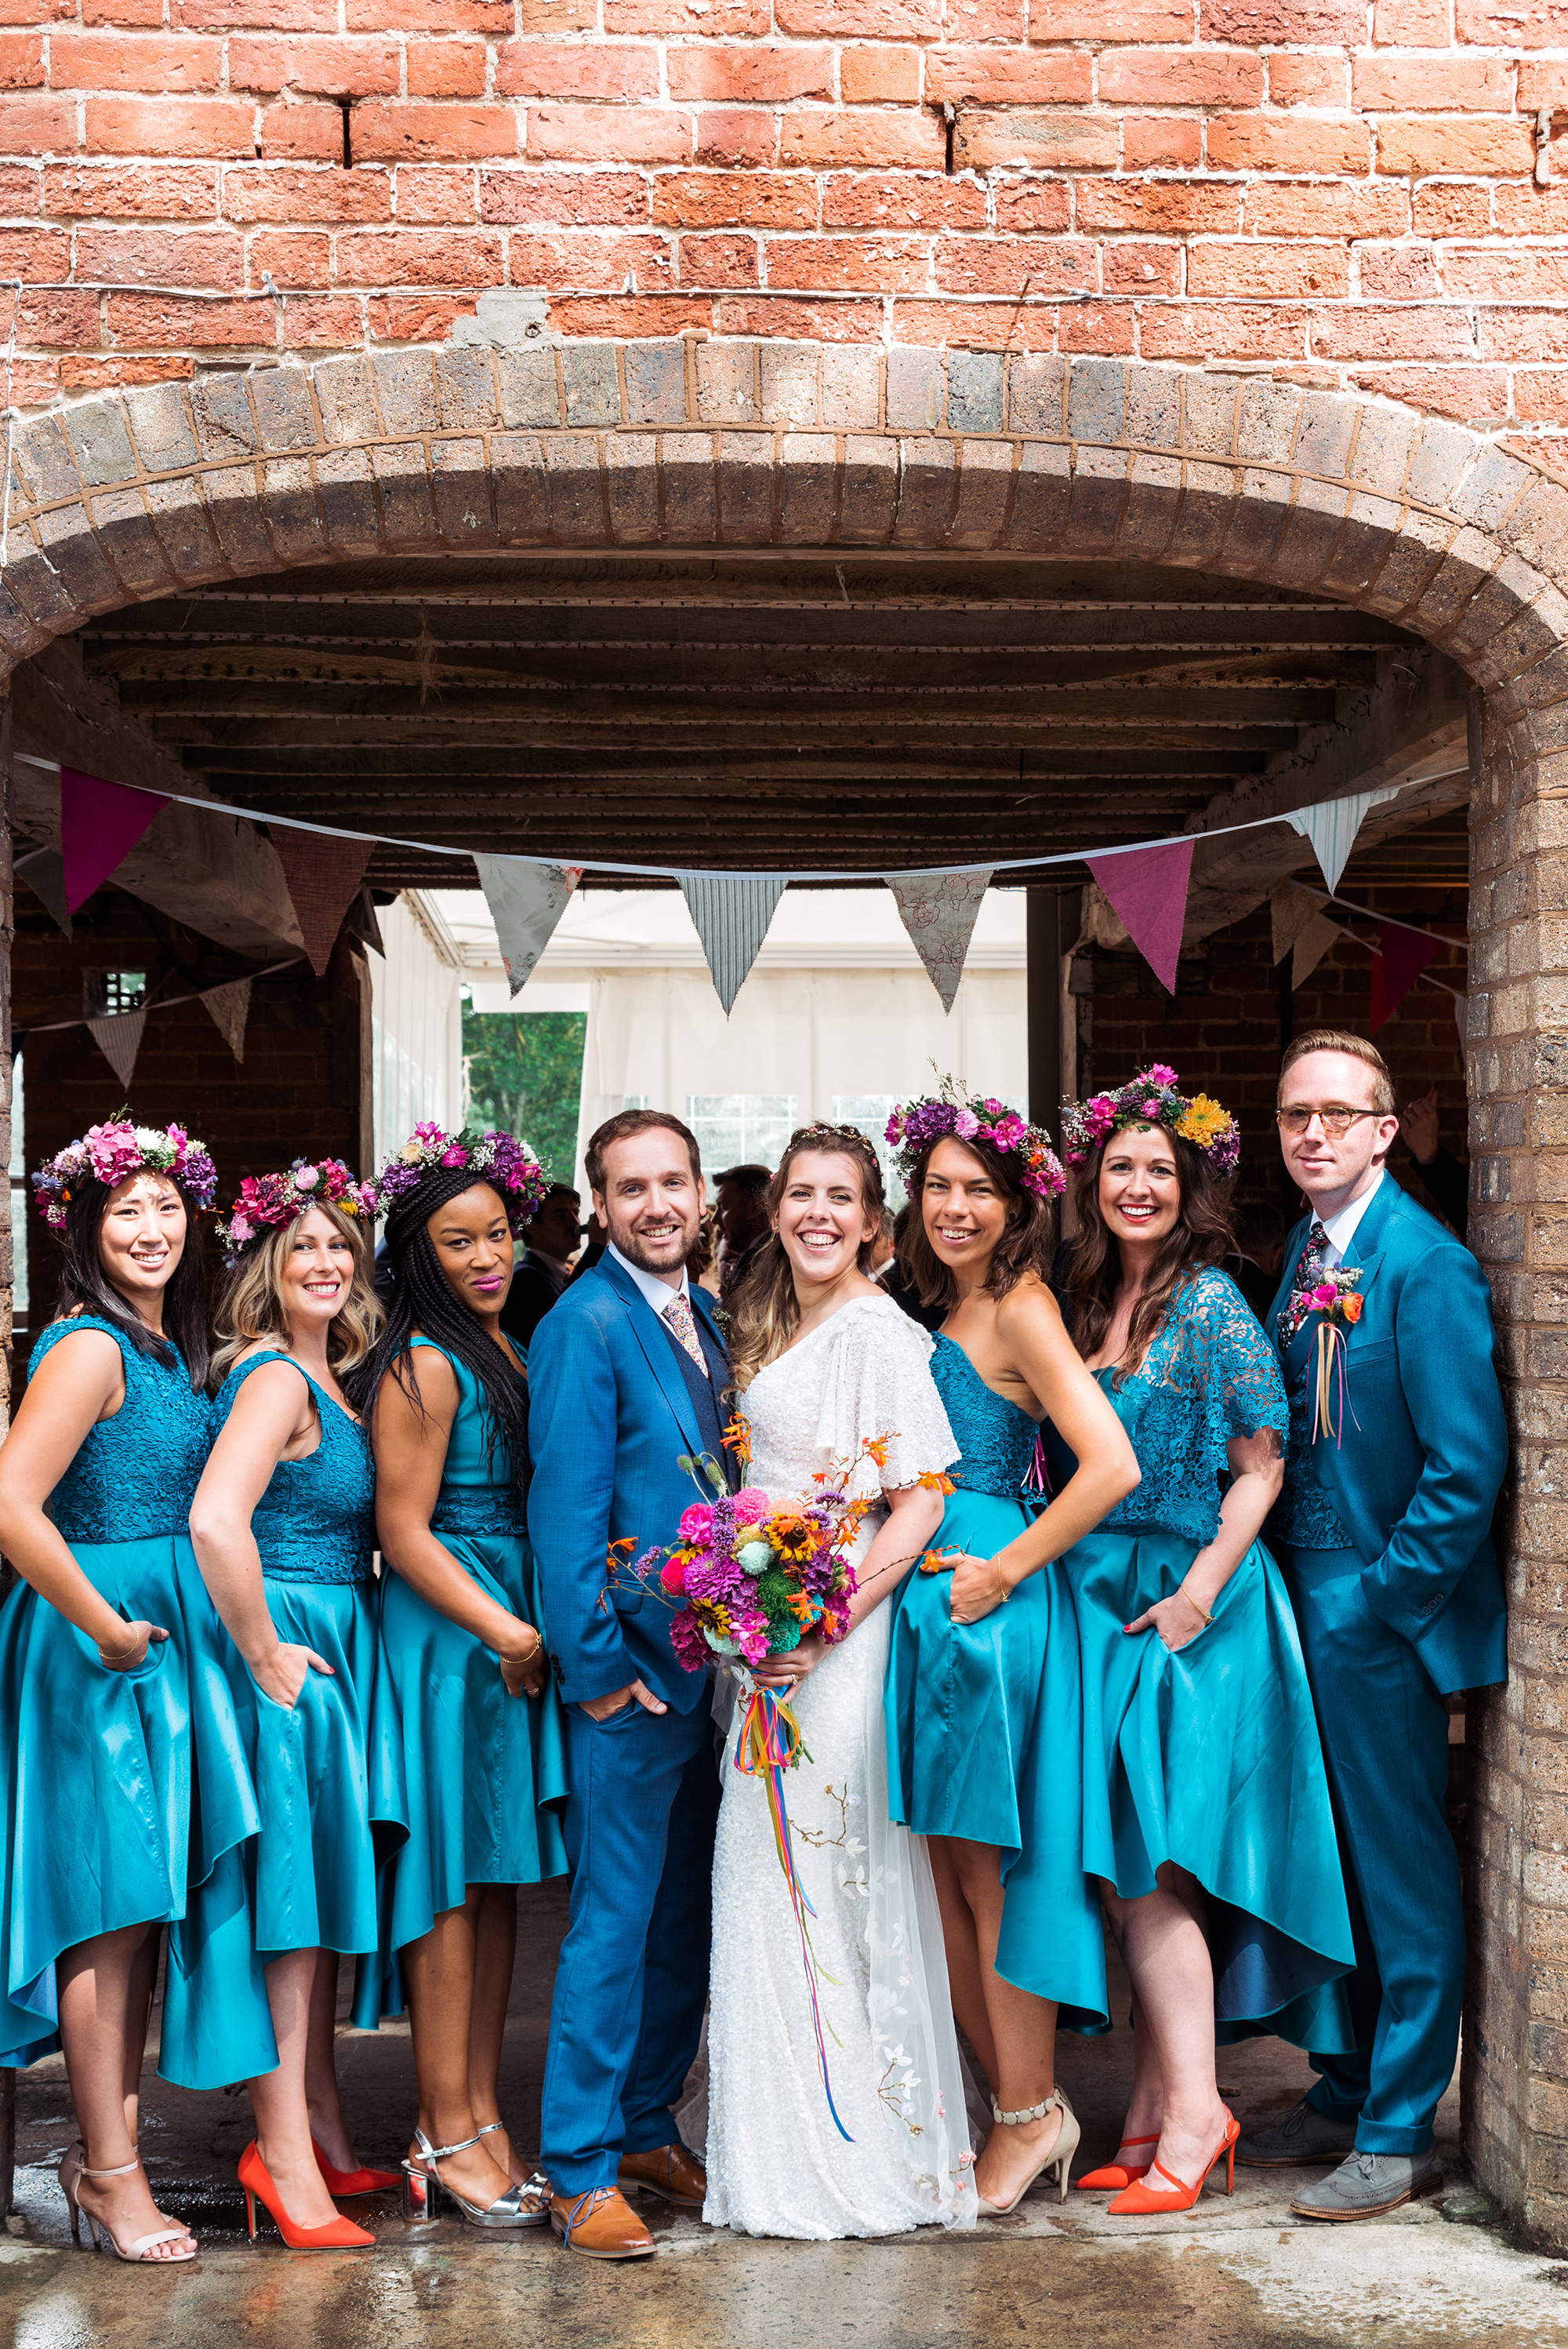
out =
column 1239, row 2273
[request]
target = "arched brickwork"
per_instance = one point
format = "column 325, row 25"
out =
column 691, row 444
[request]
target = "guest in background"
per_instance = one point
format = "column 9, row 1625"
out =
column 1260, row 1245
column 464, row 1694
column 95, row 1477
column 1444, row 1178
column 545, row 1266
column 744, row 1224
column 895, row 1281
column 596, row 1239
column 883, row 1246
column 283, row 1527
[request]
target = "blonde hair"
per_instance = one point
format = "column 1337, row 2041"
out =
column 251, row 1303
column 765, row 1311
column 1335, row 1040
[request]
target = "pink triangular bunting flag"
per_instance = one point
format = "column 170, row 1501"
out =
column 323, row 872
column 100, row 823
column 1148, row 888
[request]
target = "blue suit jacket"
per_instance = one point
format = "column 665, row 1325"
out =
column 1416, row 1481
column 609, row 1415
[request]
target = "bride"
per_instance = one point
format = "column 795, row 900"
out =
column 822, row 1361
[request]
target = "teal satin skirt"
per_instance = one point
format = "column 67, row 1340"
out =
column 480, row 1771
column 95, row 1781
column 985, row 1726
column 305, row 1878
column 1209, row 1757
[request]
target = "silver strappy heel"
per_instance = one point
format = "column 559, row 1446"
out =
column 423, row 2188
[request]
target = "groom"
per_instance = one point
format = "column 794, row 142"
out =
column 1384, row 1533
column 626, row 1374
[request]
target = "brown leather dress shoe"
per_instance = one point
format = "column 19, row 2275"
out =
column 669, row 2171
column 600, row 2224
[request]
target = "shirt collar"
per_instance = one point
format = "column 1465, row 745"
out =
column 654, row 1291
column 543, row 1255
column 1341, row 1228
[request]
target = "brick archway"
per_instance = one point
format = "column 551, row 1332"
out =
column 694, row 444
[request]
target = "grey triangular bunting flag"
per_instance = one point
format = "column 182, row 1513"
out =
column 1291, row 908
column 44, row 873
column 231, row 1008
column 526, row 901
column 732, row 911
column 1332, row 825
column 939, row 911
column 1309, row 947
column 119, row 1039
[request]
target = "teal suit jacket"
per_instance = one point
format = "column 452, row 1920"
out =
column 1417, row 1476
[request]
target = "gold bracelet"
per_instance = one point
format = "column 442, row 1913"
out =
column 1001, row 1586
column 533, row 1651
column 1198, row 1603
column 118, row 1655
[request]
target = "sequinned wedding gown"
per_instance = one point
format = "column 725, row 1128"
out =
column 776, row 2163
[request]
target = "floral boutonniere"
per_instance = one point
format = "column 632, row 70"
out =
column 1338, row 1304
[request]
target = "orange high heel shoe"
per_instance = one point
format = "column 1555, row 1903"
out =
column 1115, row 2173
column 340, row 2235
column 1138, row 2202
column 345, row 2184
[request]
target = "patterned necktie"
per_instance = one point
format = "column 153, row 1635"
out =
column 683, row 1321
column 1308, row 1273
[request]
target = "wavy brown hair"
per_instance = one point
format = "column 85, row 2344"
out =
column 251, row 1303
column 1023, row 1248
column 1203, row 1236
column 764, row 1312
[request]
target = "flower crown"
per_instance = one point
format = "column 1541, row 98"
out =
column 914, row 1124
column 112, row 1152
column 1153, row 1097
column 266, row 1201
column 499, row 1158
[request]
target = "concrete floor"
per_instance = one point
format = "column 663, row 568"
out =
column 1231, row 2274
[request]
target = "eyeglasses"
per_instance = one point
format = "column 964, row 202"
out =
column 1335, row 1118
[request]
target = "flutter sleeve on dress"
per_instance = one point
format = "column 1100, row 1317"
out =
column 879, row 1385
column 1242, row 1387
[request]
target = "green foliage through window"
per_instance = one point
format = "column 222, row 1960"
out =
column 522, row 1072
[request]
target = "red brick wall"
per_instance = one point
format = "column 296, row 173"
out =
column 1341, row 188
column 298, row 1091
column 1221, row 1033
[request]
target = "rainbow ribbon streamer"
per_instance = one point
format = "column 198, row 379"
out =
column 1332, row 1386
column 768, row 1745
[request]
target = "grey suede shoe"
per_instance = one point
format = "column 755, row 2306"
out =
column 1304, row 2137
column 1366, row 2185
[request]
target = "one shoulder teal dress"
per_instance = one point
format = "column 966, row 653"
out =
column 482, row 1770
column 94, row 1765
column 307, row 1878
column 984, row 1720
column 1210, row 1757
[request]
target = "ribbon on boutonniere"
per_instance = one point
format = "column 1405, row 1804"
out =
column 1338, row 1306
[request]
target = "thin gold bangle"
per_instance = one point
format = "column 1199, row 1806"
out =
column 1198, row 1603
column 533, row 1651
column 116, row 1655
column 1001, row 1586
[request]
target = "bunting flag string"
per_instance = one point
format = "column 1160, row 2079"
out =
column 940, row 915
column 1331, row 827
column 100, row 823
column 1148, row 890
column 118, row 1036
column 526, row 901
column 323, row 883
column 44, row 873
column 231, row 1008
column 732, row 911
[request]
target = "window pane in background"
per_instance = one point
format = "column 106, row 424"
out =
column 740, row 1129
column 869, row 1114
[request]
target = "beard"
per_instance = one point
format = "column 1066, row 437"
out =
column 637, row 1251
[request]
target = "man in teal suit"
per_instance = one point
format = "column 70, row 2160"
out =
column 626, row 1376
column 1385, row 1534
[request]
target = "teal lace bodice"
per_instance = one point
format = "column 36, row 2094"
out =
column 1210, row 1375
column 136, row 1473
column 479, row 1492
column 995, row 1438
column 316, row 1520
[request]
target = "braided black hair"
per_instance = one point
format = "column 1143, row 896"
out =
column 421, row 1297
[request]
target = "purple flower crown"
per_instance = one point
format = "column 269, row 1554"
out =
column 1153, row 1097
column 498, row 1158
column 112, row 1152
column 915, row 1125
column 266, row 1201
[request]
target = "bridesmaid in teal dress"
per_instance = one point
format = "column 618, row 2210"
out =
column 282, row 1525
column 1206, row 1806
column 95, row 1477
column 984, row 1736
column 466, row 1717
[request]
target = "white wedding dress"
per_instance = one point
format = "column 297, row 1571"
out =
column 776, row 2163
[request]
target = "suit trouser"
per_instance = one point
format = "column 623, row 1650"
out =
column 632, row 1983
column 1385, row 1745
